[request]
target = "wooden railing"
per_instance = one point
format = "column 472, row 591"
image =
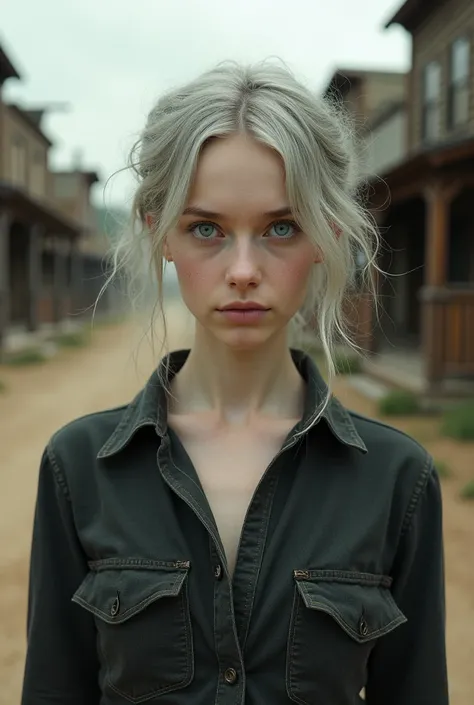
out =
column 449, row 339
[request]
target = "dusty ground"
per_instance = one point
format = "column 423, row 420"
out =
column 41, row 399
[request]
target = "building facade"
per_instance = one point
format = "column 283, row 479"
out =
column 50, row 250
column 429, row 312
column 422, row 163
column 376, row 101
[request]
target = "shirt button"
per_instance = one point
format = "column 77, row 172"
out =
column 115, row 607
column 230, row 676
column 218, row 571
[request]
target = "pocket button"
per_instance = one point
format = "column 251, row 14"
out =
column 363, row 627
column 115, row 607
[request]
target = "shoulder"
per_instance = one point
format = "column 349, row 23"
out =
column 85, row 436
column 381, row 437
column 397, row 458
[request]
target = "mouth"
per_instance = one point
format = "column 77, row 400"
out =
column 243, row 306
column 244, row 313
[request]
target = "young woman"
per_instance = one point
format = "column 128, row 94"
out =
column 235, row 535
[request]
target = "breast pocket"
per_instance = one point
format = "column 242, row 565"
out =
column 143, row 622
column 336, row 619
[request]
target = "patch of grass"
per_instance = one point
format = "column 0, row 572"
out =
column 467, row 492
column 458, row 422
column 399, row 403
column 25, row 357
column 3, row 387
column 347, row 364
column 76, row 339
column 443, row 469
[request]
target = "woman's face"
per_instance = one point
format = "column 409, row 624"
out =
column 237, row 245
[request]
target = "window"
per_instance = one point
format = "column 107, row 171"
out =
column 431, row 101
column 458, row 100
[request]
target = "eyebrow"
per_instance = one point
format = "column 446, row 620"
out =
column 202, row 213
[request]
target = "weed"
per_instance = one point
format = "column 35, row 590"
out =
column 468, row 491
column 399, row 403
column 458, row 422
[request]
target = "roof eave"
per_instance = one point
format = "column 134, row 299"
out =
column 23, row 114
column 403, row 14
column 40, row 212
column 412, row 13
column 340, row 79
column 8, row 70
column 92, row 177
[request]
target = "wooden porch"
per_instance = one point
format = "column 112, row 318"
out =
column 37, row 263
column 401, row 368
column 423, row 339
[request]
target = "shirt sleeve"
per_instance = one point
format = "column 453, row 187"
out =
column 408, row 666
column 61, row 661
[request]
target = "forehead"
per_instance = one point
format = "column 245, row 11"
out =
column 238, row 170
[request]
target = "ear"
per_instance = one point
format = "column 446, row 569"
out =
column 149, row 221
column 166, row 251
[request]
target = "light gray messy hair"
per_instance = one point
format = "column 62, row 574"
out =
column 316, row 142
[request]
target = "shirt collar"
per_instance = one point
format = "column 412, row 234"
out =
column 149, row 408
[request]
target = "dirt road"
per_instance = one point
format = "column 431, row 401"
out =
column 41, row 399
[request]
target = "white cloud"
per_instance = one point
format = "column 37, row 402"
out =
column 109, row 60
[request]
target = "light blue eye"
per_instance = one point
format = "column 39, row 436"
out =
column 282, row 230
column 204, row 231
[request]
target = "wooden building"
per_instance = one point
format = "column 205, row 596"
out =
column 421, row 151
column 50, row 250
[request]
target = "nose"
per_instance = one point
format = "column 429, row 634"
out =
column 244, row 269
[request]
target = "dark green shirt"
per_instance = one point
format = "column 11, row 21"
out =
column 338, row 584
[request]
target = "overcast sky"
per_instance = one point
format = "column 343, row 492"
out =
column 110, row 59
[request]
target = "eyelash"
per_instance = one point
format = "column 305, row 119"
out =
column 294, row 225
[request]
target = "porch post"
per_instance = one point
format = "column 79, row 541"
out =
column 437, row 222
column 438, row 198
column 5, row 223
column 59, row 281
column 76, row 280
column 34, row 275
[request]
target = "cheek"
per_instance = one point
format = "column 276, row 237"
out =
column 193, row 276
column 295, row 271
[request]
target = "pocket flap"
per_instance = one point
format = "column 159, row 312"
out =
column 361, row 604
column 116, row 589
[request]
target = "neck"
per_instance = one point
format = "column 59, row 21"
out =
column 238, row 385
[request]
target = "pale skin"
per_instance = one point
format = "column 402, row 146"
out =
column 239, row 393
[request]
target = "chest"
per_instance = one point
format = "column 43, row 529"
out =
column 230, row 465
column 328, row 523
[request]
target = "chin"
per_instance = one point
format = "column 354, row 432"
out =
column 245, row 340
